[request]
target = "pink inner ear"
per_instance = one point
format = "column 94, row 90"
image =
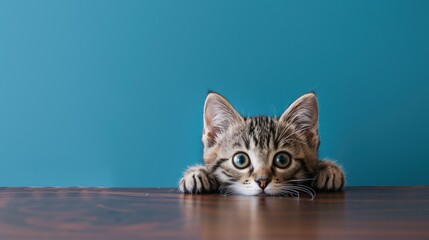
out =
column 218, row 115
column 207, row 121
column 304, row 108
column 210, row 135
column 210, row 130
column 208, row 113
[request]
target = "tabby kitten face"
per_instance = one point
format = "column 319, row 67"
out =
column 260, row 155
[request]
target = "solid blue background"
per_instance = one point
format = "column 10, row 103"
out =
column 111, row 93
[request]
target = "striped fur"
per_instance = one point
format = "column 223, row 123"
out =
column 261, row 138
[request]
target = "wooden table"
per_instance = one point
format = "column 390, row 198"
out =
column 147, row 213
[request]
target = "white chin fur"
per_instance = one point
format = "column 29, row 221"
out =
column 254, row 190
column 271, row 191
column 248, row 190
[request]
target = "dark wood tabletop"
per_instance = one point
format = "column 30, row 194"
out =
column 148, row 213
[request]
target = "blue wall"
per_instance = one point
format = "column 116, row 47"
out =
column 110, row 93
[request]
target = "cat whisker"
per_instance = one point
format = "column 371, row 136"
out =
column 273, row 108
column 286, row 193
column 300, row 180
column 294, row 192
column 290, row 193
column 307, row 191
column 303, row 188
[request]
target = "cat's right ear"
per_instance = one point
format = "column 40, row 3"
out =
column 219, row 115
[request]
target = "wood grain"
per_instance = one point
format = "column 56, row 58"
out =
column 144, row 213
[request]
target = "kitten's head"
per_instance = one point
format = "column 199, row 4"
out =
column 263, row 154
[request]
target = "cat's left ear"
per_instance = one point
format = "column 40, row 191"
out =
column 303, row 114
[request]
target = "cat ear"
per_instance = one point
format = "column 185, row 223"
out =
column 303, row 114
column 218, row 116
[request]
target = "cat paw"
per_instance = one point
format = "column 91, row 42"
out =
column 330, row 177
column 197, row 180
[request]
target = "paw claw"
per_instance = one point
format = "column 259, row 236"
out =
column 330, row 177
column 197, row 180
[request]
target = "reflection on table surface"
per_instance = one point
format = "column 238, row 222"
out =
column 262, row 217
column 103, row 213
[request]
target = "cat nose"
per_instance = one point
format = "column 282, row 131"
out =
column 262, row 182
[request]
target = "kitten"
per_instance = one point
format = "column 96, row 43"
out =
column 261, row 155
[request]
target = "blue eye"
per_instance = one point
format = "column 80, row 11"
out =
column 240, row 160
column 282, row 160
